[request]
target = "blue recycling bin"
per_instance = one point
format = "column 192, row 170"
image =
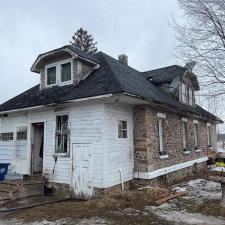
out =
column 3, row 170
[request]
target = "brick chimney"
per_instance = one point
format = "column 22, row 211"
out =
column 123, row 59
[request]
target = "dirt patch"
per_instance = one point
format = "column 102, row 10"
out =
column 102, row 207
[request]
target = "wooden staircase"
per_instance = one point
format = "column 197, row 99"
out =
column 17, row 189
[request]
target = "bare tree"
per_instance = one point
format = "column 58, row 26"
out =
column 201, row 37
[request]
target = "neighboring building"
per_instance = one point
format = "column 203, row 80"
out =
column 100, row 122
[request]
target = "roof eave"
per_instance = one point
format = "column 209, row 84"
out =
column 62, row 49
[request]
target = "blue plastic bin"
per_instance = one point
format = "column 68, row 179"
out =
column 3, row 170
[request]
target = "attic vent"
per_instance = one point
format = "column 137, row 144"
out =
column 123, row 59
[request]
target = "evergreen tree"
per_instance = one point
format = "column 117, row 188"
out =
column 84, row 41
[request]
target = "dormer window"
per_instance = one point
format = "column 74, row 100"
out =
column 66, row 72
column 51, row 75
column 59, row 73
column 187, row 94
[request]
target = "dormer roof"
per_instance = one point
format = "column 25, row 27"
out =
column 166, row 75
column 67, row 50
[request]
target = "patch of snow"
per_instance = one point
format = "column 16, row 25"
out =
column 178, row 217
column 219, row 169
column 179, row 189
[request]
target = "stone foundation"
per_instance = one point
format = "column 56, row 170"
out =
column 199, row 169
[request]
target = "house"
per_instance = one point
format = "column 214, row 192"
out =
column 97, row 123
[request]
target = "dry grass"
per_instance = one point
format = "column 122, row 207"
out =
column 136, row 199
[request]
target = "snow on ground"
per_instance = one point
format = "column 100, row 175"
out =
column 198, row 191
column 218, row 169
column 166, row 211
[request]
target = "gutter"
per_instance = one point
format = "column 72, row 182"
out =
column 53, row 104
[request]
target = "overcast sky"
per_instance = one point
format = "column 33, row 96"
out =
column 141, row 29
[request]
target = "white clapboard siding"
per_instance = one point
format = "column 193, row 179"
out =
column 119, row 152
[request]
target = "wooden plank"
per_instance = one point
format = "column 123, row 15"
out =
column 165, row 199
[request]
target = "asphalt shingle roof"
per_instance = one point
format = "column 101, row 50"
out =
column 112, row 77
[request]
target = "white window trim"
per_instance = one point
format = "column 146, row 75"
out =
column 58, row 73
column 68, row 153
column 198, row 150
column 163, row 156
column 161, row 115
column 117, row 133
column 184, row 139
column 186, row 152
column 195, row 121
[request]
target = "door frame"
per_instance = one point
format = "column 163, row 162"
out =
column 32, row 147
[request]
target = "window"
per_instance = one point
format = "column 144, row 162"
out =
column 184, row 92
column 184, row 134
column 6, row 136
column 187, row 94
column 66, row 72
column 21, row 134
column 51, row 75
column 160, row 125
column 209, row 137
column 196, row 136
column 122, row 129
column 190, row 95
column 62, row 134
column 59, row 73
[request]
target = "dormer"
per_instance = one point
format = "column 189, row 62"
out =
column 179, row 82
column 64, row 66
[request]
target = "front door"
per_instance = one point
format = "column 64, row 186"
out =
column 37, row 144
column 82, row 171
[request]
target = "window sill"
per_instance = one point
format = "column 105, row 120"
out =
column 198, row 150
column 163, row 156
column 186, row 152
column 61, row 155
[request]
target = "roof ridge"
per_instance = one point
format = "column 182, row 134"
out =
column 109, row 67
column 161, row 68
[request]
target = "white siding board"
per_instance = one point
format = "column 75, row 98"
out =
column 119, row 152
column 86, row 121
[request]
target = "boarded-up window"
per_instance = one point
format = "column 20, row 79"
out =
column 184, row 134
column 62, row 134
column 209, row 136
column 161, row 136
column 196, row 136
column 122, row 129
column 21, row 134
column 6, row 136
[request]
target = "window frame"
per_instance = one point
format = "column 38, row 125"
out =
column 196, row 135
column 58, row 65
column 209, row 135
column 17, row 131
column 184, row 127
column 123, row 129
column 161, row 136
column 6, row 133
column 68, row 133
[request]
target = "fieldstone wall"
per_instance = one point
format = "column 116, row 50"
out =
column 146, row 142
